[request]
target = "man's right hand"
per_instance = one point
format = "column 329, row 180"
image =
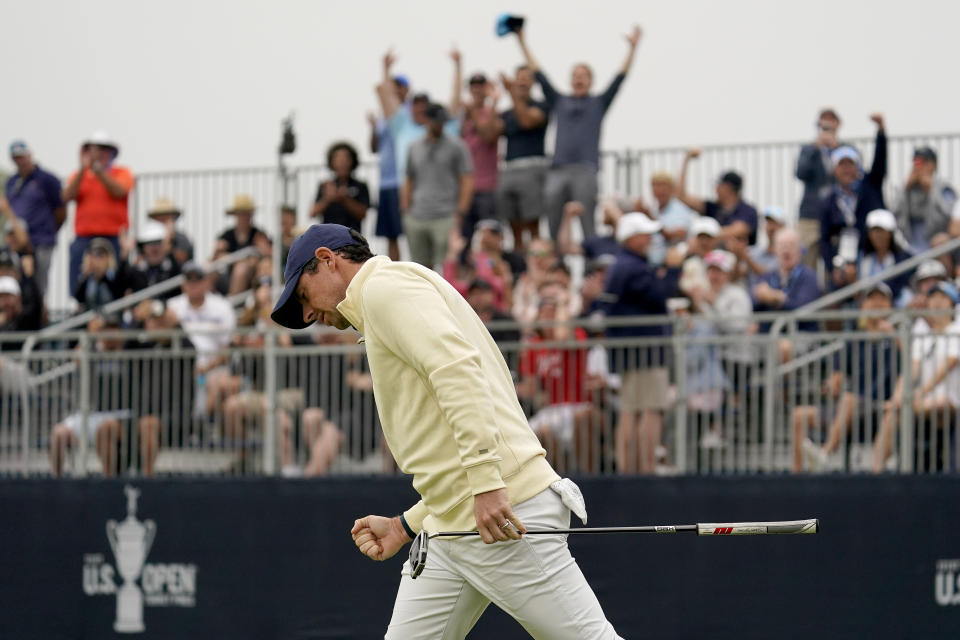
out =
column 388, row 59
column 379, row 538
column 693, row 153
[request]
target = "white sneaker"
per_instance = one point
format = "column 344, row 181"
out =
column 711, row 440
column 815, row 456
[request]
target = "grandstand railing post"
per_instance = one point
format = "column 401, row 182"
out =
column 680, row 402
column 906, row 412
column 770, row 397
column 270, row 391
column 82, row 447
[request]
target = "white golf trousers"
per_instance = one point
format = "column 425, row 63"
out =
column 535, row 580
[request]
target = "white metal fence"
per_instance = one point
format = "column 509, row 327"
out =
column 307, row 408
column 768, row 170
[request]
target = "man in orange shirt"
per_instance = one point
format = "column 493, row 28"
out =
column 100, row 188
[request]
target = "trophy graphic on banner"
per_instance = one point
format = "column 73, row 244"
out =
column 130, row 541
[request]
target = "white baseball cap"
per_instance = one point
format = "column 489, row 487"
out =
column 723, row 260
column 930, row 269
column 9, row 285
column 635, row 223
column 881, row 218
column 706, row 225
column 845, row 152
column 152, row 231
column 775, row 212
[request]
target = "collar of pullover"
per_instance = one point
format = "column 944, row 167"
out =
column 351, row 307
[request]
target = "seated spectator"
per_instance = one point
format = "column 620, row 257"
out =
column 526, row 302
column 242, row 235
column 882, row 249
column 155, row 260
column 100, row 188
column 815, row 170
column 726, row 307
column 704, row 237
column 112, row 389
column 843, row 213
column 733, row 214
column 32, row 311
column 104, row 278
column 481, row 296
column 791, row 286
column 674, row 215
column 437, row 192
column 34, row 196
column 521, row 182
column 167, row 213
column 635, row 288
column 553, row 378
column 165, row 403
column 755, row 262
column 927, row 275
column 462, row 266
column 935, row 375
column 244, row 410
column 12, row 316
column 862, row 380
column 209, row 321
column 491, row 244
column 343, row 199
column 924, row 206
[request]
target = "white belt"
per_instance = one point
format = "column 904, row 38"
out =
column 527, row 162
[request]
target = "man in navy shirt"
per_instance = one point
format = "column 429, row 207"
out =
column 735, row 216
column 34, row 196
column 576, row 158
column 635, row 288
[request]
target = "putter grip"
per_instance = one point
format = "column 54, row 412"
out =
column 758, row 528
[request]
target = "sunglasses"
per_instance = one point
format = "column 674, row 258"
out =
column 100, row 253
column 194, row 277
column 539, row 254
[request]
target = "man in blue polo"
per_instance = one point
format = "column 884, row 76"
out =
column 34, row 196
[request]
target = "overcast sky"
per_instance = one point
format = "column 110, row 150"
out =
column 201, row 84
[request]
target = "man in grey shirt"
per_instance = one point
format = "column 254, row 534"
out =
column 438, row 191
column 924, row 206
column 576, row 158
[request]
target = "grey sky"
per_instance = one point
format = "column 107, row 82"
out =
column 196, row 84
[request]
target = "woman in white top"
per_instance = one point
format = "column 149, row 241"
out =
column 936, row 375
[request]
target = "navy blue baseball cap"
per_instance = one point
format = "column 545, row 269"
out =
column 288, row 311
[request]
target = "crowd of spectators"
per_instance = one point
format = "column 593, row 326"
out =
column 523, row 237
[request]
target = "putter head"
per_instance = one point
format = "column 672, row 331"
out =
column 418, row 554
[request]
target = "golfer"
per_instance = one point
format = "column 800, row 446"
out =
column 451, row 418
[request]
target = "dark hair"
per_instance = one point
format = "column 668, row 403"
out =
column 828, row 113
column 359, row 251
column 559, row 266
column 344, row 146
column 733, row 179
column 288, row 208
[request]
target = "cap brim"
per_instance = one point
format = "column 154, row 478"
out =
column 288, row 312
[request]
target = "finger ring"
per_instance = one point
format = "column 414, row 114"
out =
column 505, row 525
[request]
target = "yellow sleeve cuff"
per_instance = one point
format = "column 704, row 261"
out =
column 484, row 477
column 415, row 516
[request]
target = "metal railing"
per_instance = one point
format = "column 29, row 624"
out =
column 691, row 402
column 768, row 170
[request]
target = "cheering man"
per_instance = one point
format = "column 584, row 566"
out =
column 451, row 418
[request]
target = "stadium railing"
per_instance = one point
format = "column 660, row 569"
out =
column 768, row 169
column 723, row 412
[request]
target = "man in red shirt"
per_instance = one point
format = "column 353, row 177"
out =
column 100, row 188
